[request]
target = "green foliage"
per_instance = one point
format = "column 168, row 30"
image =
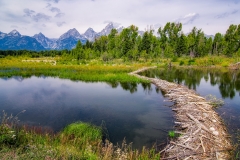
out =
column 191, row 61
column 181, row 63
column 174, row 59
column 129, row 45
column 172, row 134
column 83, row 131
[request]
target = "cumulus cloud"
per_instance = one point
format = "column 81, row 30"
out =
column 48, row 5
column 58, row 15
column 188, row 19
column 36, row 17
column 41, row 16
column 55, row 9
column 59, row 24
column 28, row 12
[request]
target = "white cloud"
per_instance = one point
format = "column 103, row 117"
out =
column 55, row 9
column 212, row 16
column 59, row 15
column 41, row 16
column 188, row 19
column 28, row 12
column 60, row 24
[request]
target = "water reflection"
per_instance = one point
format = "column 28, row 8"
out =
column 129, row 110
column 227, row 81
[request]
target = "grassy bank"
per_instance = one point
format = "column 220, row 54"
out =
column 207, row 61
column 93, row 70
column 76, row 141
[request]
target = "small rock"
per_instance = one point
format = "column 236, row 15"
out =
column 205, row 114
column 215, row 133
column 212, row 129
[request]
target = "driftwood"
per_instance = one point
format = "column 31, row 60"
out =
column 203, row 134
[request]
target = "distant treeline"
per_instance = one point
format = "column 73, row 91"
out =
column 170, row 42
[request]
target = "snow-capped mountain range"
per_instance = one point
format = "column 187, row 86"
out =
column 15, row 41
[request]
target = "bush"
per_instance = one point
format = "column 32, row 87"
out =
column 174, row 59
column 191, row 62
column 181, row 63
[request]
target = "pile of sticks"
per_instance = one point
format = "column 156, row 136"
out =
column 202, row 133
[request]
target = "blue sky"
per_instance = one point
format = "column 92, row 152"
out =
column 54, row 17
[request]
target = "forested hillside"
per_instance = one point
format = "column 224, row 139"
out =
column 170, row 42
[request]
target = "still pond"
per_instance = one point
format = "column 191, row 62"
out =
column 136, row 112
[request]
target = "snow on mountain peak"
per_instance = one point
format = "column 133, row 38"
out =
column 90, row 34
column 71, row 33
column 14, row 33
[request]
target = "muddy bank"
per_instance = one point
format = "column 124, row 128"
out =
column 202, row 133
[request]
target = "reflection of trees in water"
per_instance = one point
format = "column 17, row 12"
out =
column 129, row 86
column 113, row 84
column 147, row 88
column 228, row 81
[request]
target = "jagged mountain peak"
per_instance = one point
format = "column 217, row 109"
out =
column 89, row 31
column 110, row 24
column 14, row 33
column 39, row 35
column 107, row 29
column 71, row 33
column 2, row 35
column 90, row 34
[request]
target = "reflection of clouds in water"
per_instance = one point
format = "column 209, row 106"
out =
column 36, row 96
column 62, row 96
column 157, row 118
column 63, row 85
column 47, row 92
column 56, row 102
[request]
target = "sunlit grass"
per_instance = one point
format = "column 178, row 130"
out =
column 91, row 71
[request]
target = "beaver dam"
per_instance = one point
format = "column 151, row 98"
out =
column 202, row 133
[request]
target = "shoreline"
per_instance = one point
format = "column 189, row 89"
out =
column 203, row 134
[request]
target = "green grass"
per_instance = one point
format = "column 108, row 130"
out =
column 207, row 61
column 92, row 71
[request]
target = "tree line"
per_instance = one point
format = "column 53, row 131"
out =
column 169, row 42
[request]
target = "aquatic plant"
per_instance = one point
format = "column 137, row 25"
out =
column 214, row 101
column 172, row 134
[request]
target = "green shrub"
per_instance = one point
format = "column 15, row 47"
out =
column 191, row 62
column 174, row 59
column 181, row 63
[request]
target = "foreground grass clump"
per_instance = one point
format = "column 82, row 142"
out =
column 77, row 141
